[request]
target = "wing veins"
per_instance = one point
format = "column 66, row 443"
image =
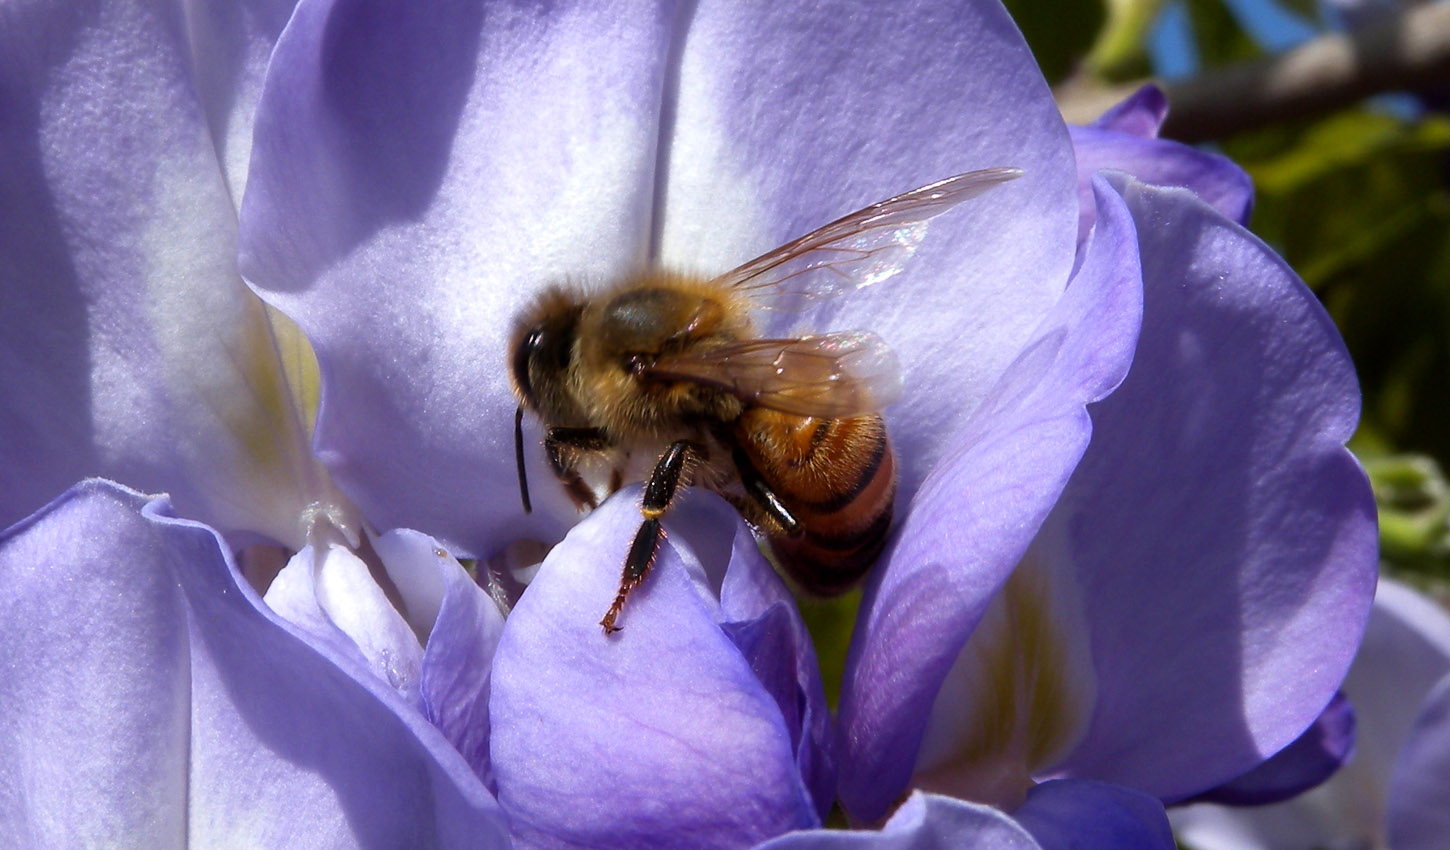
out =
column 907, row 214
column 848, row 373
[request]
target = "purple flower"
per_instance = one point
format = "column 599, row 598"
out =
column 435, row 186
column 129, row 346
column 417, row 172
column 1395, row 791
column 1125, row 138
column 152, row 698
column 152, row 701
column 1188, row 602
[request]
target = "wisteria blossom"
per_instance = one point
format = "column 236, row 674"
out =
column 1220, row 456
column 1126, row 139
column 1395, row 791
column 153, row 701
column 1120, row 444
column 130, row 347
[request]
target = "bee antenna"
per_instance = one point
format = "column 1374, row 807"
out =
column 519, row 456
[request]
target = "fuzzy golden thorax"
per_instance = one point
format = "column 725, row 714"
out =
column 577, row 356
column 627, row 328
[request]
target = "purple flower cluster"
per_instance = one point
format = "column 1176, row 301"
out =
column 1132, row 559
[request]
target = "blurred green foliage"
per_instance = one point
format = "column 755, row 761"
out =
column 830, row 622
column 1217, row 34
column 1414, row 502
column 1059, row 31
column 1119, row 51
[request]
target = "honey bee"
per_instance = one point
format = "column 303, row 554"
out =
column 787, row 430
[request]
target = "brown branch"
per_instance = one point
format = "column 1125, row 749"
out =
column 1404, row 52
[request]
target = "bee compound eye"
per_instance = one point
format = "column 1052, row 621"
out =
column 523, row 356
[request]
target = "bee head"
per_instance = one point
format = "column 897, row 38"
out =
column 542, row 356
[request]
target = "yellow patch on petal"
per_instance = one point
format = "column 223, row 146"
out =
column 240, row 378
column 188, row 392
column 272, row 425
column 299, row 365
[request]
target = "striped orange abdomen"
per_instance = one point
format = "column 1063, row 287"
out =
column 837, row 477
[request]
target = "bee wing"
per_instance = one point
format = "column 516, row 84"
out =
column 865, row 247
column 837, row 375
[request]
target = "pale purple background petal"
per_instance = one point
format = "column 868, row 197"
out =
column 152, row 702
column 660, row 735
column 1223, row 537
column 1213, row 177
column 760, row 615
column 129, row 346
column 433, row 167
column 435, row 648
column 1061, row 815
column 975, row 516
column 1418, row 816
column 457, row 665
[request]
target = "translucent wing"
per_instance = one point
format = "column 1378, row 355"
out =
column 834, row 376
column 865, row 247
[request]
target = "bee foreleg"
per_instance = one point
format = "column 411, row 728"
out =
column 636, row 566
column 659, row 493
column 565, row 446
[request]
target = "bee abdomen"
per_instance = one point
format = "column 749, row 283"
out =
column 837, row 477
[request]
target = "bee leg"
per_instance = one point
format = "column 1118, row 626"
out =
column 764, row 497
column 659, row 494
column 565, row 446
